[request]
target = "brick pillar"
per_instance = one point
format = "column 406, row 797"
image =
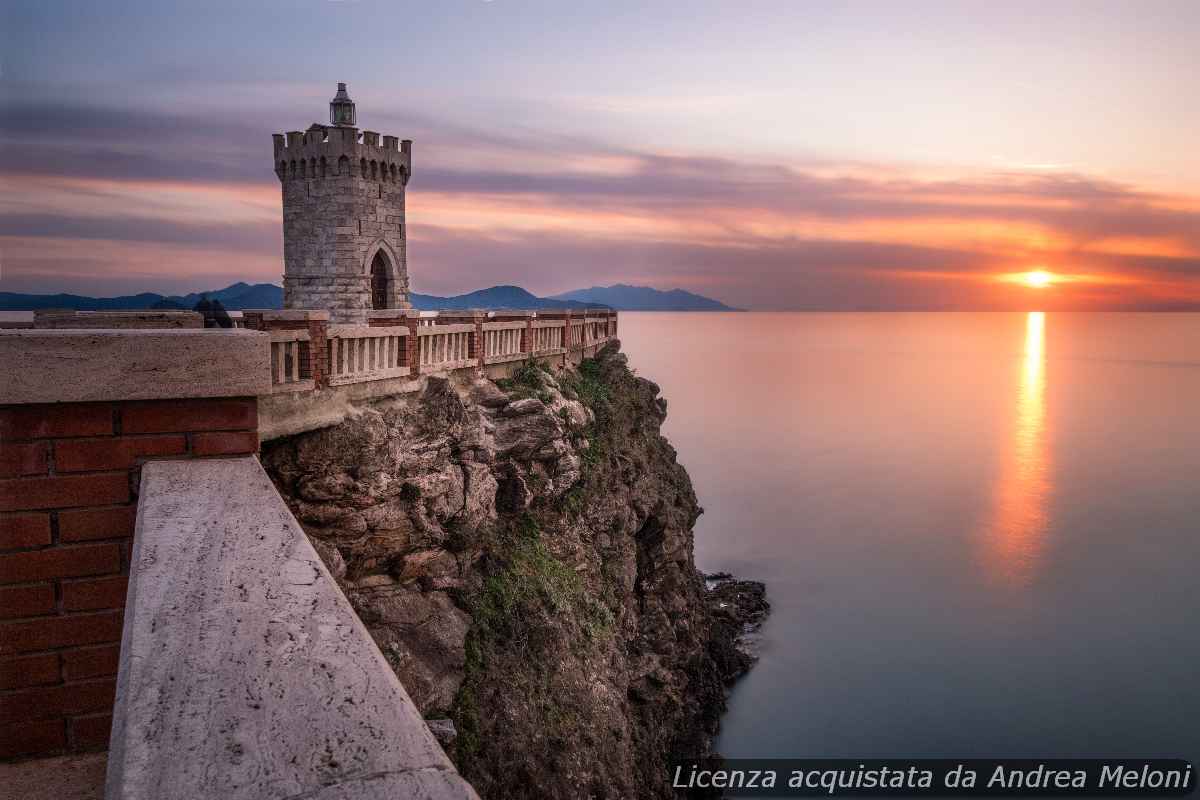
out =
column 69, row 476
column 477, row 350
column 318, row 352
column 411, row 343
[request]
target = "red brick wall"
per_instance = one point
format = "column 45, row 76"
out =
column 68, row 484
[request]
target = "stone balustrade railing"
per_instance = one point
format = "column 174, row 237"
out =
column 308, row 353
column 290, row 361
column 502, row 341
column 548, row 337
column 445, row 347
column 364, row 353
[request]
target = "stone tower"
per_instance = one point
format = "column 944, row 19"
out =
column 343, row 216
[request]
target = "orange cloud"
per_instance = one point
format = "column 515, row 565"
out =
column 557, row 210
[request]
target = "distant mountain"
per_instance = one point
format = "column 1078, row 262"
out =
column 234, row 298
column 512, row 297
column 642, row 298
column 10, row 301
column 240, row 296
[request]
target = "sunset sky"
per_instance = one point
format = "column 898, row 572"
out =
column 783, row 155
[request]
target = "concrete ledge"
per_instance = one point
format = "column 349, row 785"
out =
column 244, row 671
column 448, row 366
column 289, row 413
column 501, row 359
column 434, row 330
column 504, row 326
column 61, row 366
column 124, row 320
column 370, row 376
column 291, row 314
column 390, row 313
column 361, row 331
column 289, row 336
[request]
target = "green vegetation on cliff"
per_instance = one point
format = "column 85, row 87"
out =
column 529, row 597
column 525, row 600
column 521, row 551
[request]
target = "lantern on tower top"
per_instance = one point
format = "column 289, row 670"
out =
column 341, row 108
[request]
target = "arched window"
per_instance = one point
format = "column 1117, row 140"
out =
column 293, row 168
column 343, row 166
column 303, row 166
column 374, row 170
column 380, row 280
column 393, row 173
column 324, row 167
column 283, row 169
column 363, row 171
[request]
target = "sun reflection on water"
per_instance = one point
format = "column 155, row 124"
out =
column 1015, row 535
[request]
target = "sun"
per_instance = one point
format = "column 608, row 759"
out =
column 1038, row 279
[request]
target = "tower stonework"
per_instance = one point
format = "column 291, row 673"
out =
column 344, row 230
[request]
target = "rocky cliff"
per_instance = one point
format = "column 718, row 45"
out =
column 522, row 554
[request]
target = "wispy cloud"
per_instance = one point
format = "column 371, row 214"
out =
column 197, row 199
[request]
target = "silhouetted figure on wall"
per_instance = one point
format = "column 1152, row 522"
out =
column 215, row 315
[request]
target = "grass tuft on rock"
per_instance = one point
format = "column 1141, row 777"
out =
column 528, row 380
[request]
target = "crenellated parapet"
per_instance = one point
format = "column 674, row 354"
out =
column 326, row 151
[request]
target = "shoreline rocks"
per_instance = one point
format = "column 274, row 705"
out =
column 739, row 608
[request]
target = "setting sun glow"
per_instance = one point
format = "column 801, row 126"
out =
column 1038, row 279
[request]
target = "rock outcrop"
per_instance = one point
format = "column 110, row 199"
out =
column 522, row 552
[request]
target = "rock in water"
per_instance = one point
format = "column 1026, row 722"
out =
column 738, row 610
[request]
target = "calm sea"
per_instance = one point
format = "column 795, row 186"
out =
column 980, row 532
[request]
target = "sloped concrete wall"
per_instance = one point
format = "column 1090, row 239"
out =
column 244, row 671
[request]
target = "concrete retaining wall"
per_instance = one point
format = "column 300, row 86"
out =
column 244, row 672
